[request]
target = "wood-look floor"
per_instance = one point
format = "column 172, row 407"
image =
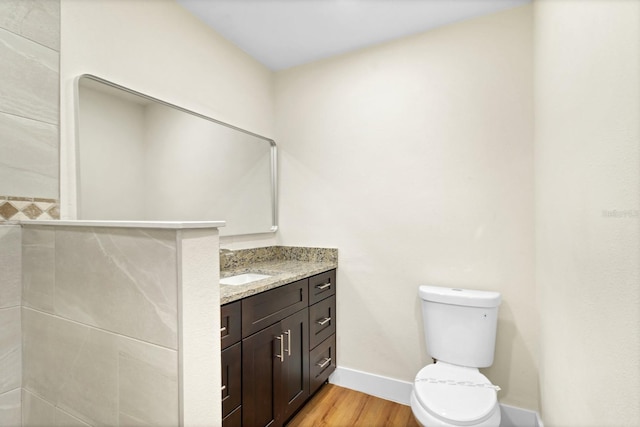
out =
column 335, row 406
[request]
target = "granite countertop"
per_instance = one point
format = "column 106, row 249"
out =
column 285, row 264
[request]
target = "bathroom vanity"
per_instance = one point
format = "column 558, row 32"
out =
column 277, row 337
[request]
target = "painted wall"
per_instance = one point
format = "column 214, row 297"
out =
column 158, row 48
column 588, row 210
column 415, row 159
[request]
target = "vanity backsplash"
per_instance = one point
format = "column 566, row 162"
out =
column 244, row 258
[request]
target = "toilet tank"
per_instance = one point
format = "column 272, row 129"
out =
column 460, row 325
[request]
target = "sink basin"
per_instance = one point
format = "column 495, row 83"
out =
column 243, row 279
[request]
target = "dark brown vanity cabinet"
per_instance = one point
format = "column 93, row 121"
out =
column 322, row 328
column 287, row 350
column 275, row 364
column 231, row 362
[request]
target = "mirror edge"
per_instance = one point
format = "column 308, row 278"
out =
column 76, row 169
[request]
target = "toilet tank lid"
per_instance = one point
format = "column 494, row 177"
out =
column 463, row 297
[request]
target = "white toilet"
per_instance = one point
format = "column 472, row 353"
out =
column 460, row 331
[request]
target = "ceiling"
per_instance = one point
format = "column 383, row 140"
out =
column 285, row 33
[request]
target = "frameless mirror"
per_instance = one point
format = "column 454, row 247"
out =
column 140, row 158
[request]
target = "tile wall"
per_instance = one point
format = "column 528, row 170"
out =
column 99, row 326
column 10, row 325
column 29, row 140
column 29, row 109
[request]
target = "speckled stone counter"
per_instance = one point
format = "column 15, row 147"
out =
column 285, row 264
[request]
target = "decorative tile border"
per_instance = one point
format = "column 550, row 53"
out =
column 26, row 208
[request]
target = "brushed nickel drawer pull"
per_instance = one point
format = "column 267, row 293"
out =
column 281, row 355
column 288, row 334
column 324, row 363
column 323, row 287
column 324, row 321
column 223, row 388
column 224, row 328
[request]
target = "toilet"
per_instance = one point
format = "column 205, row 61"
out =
column 460, row 331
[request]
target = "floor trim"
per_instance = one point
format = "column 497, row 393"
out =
column 375, row 385
column 400, row 391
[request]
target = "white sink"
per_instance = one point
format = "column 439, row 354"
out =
column 243, row 279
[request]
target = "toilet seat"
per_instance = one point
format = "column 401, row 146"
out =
column 454, row 394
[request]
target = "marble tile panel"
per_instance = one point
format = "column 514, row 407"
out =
column 10, row 265
column 147, row 384
column 121, row 280
column 38, row 267
column 10, row 412
column 36, row 412
column 10, row 349
column 29, row 79
column 36, row 20
column 28, row 157
column 73, row 366
column 62, row 419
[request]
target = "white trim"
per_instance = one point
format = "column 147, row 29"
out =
column 173, row 225
column 400, row 392
column 372, row 384
column 518, row 417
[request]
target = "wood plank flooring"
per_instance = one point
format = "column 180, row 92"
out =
column 335, row 406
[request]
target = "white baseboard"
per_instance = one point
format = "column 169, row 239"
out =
column 372, row 384
column 400, row 392
column 518, row 417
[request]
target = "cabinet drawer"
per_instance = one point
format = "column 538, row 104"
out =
column 322, row 363
column 234, row 419
column 322, row 286
column 231, row 359
column 230, row 324
column 265, row 309
column 322, row 321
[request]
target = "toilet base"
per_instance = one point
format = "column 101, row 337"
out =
column 425, row 419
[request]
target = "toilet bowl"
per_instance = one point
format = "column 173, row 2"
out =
column 446, row 395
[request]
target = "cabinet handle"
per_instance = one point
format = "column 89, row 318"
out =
column 323, row 287
column 323, row 321
column 281, row 355
column 288, row 334
column 224, row 328
column 223, row 388
column 324, row 363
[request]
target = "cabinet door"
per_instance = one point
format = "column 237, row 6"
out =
column 322, row 318
column 261, row 370
column 293, row 388
column 322, row 362
column 322, row 286
column 231, row 359
column 230, row 324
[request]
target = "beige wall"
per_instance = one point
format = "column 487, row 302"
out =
column 415, row 159
column 159, row 49
column 588, row 210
